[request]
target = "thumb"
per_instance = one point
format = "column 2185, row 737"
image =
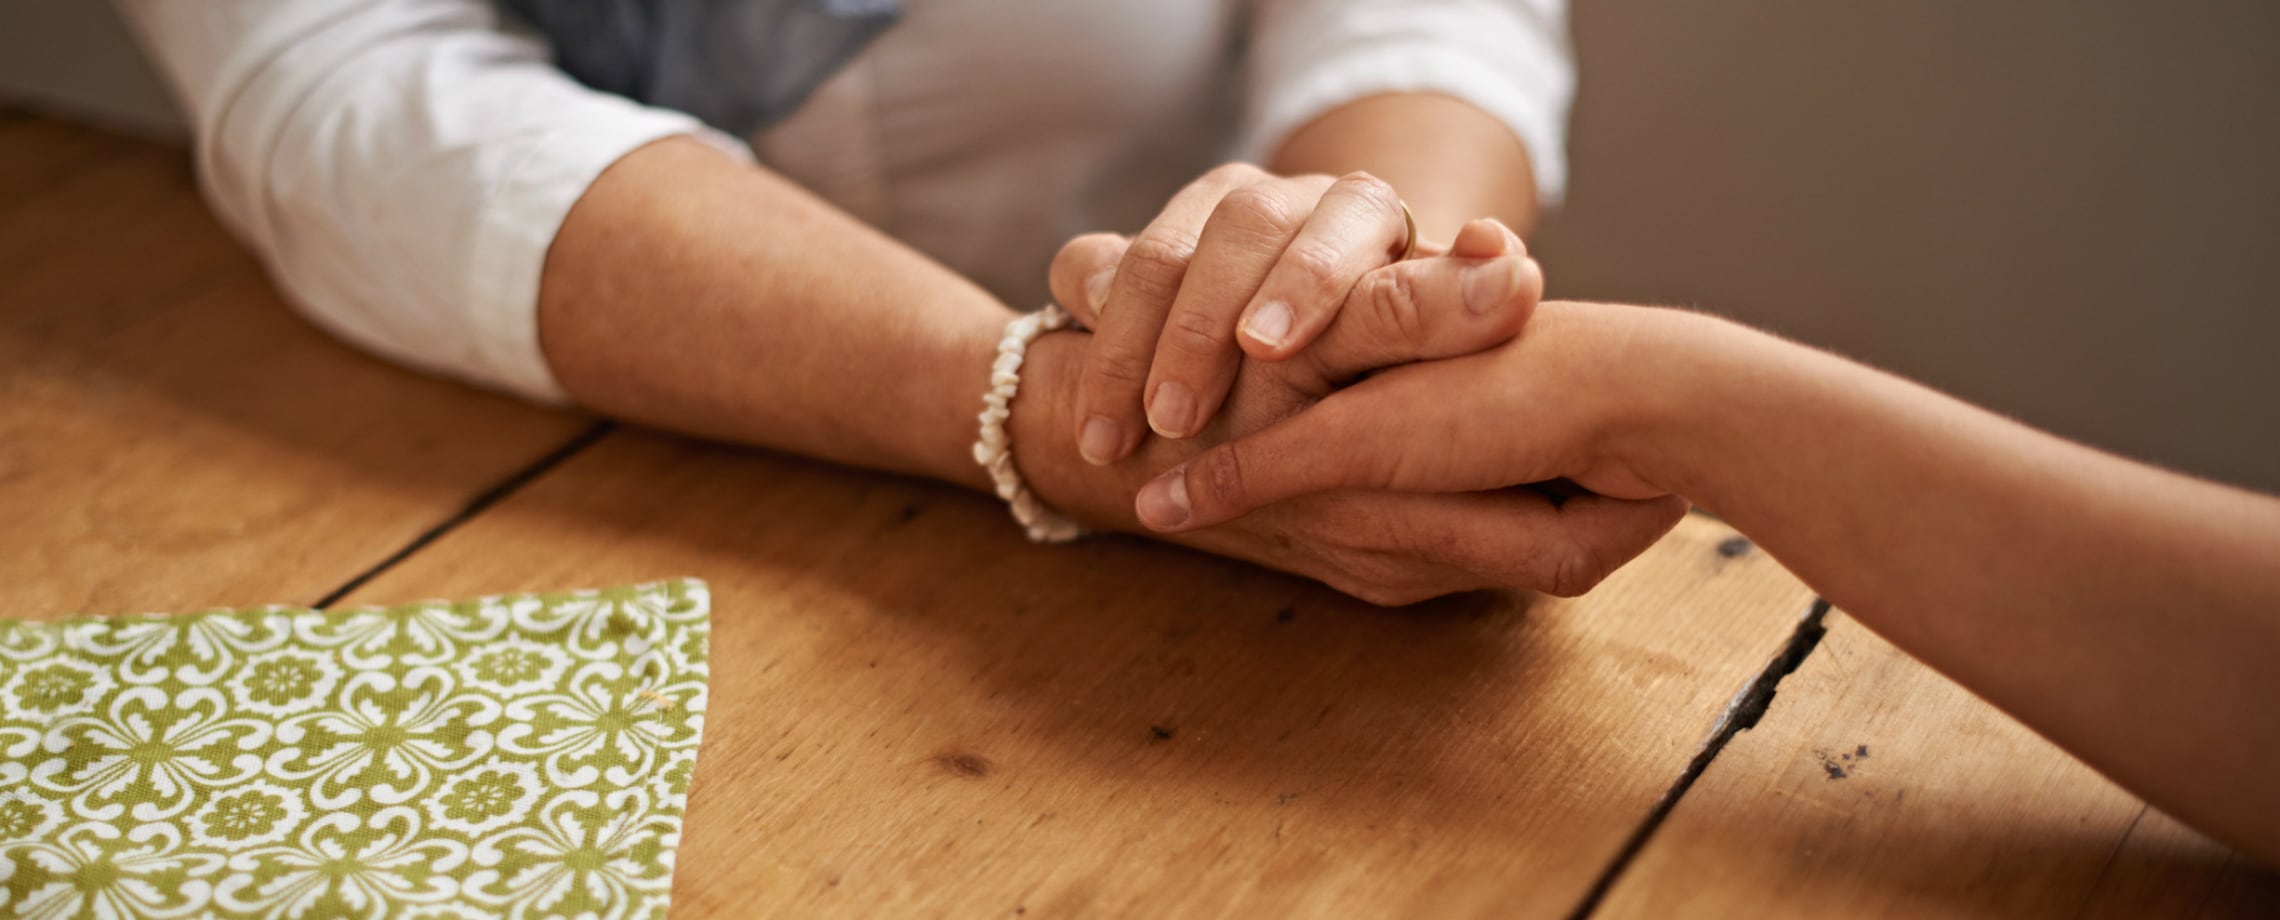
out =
column 1476, row 298
column 1081, row 273
column 1421, row 428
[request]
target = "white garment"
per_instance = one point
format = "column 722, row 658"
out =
column 402, row 165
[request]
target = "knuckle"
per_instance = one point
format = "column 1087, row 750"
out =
column 1258, row 211
column 1154, row 264
column 1117, row 370
column 1395, row 309
column 1217, row 480
column 1114, row 372
column 1233, row 173
column 1371, row 190
column 1315, row 261
column 1196, row 334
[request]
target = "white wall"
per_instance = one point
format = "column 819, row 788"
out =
column 2065, row 209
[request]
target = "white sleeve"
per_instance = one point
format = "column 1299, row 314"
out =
column 1510, row 58
column 400, row 165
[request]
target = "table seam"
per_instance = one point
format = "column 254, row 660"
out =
column 482, row 501
column 1742, row 713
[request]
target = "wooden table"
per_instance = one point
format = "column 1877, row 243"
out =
column 916, row 713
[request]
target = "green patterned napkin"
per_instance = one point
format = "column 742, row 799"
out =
column 518, row 755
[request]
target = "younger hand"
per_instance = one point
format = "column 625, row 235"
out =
column 1569, row 398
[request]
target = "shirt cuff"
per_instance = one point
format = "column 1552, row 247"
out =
column 531, row 200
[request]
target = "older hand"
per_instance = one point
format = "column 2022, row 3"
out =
column 1239, row 258
column 1384, row 547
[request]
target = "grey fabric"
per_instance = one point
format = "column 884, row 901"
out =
column 737, row 64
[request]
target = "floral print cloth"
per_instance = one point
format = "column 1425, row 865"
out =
column 525, row 756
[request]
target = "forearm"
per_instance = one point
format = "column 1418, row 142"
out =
column 2128, row 613
column 1451, row 161
column 692, row 292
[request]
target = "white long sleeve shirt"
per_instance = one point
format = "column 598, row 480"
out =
column 402, row 165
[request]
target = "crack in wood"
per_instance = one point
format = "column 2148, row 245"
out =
column 1741, row 714
column 477, row 505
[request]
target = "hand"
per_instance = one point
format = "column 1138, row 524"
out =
column 1383, row 547
column 1570, row 398
column 1239, row 249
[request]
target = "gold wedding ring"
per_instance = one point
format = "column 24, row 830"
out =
column 1409, row 242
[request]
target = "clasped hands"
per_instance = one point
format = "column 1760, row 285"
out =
column 1251, row 299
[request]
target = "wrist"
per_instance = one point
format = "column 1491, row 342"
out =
column 1697, row 400
column 955, row 388
column 1044, row 439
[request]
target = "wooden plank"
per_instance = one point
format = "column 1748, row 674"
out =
column 171, row 435
column 1876, row 787
column 99, row 241
column 915, row 713
column 36, row 152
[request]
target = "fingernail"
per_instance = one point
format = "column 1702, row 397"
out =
column 1096, row 288
column 1163, row 503
column 1099, row 441
column 1269, row 325
column 1172, row 412
column 1488, row 285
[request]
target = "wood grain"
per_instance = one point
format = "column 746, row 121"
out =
column 1876, row 787
column 171, row 435
column 35, row 152
column 915, row 713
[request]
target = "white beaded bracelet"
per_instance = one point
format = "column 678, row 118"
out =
column 995, row 449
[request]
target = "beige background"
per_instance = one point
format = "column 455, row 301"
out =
column 2065, row 209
